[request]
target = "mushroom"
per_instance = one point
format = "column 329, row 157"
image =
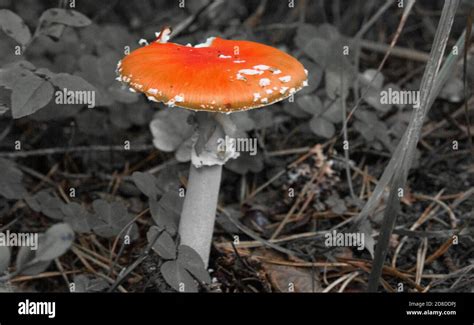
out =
column 218, row 76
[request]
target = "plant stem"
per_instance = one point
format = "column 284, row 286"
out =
column 199, row 209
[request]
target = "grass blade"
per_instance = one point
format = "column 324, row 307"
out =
column 396, row 172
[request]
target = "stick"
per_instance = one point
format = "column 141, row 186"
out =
column 52, row 151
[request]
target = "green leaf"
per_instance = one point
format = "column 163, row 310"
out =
column 192, row 262
column 58, row 239
column 48, row 204
column 29, row 94
column 304, row 34
column 322, row 127
column 109, row 218
column 55, row 31
column 33, row 203
column 100, row 71
column 164, row 245
column 263, row 118
column 146, row 183
column 117, row 36
column 27, row 65
column 26, row 264
column 332, row 79
column 166, row 212
column 52, row 244
column 14, row 26
column 177, row 277
column 310, row 104
column 294, row 110
column 76, row 84
column 334, row 112
column 242, row 121
column 372, row 97
column 76, row 216
column 170, row 129
column 66, row 17
column 318, row 50
column 12, row 72
column 84, row 283
column 9, row 76
column 11, row 186
column 246, row 163
column 369, row 74
column 71, row 82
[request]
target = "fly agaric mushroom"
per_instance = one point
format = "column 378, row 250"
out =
column 218, row 76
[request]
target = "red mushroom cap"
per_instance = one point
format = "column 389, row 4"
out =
column 219, row 75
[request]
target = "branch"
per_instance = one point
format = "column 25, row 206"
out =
column 52, row 151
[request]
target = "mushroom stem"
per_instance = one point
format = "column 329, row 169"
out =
column 199, row 209
column 226, row 123
column 200, row 204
